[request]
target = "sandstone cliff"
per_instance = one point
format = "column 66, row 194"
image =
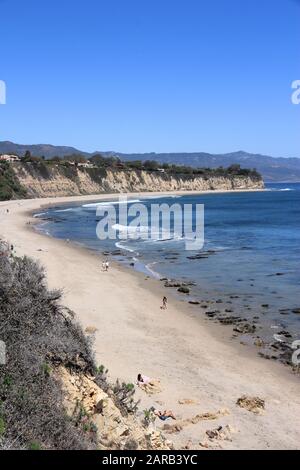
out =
column 42, row 180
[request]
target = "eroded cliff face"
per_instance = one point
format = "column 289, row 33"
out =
column 114, row 430
column 51, row 181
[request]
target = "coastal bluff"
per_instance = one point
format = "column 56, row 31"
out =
column 42, row 180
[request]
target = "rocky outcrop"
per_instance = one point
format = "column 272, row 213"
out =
column 56, row 180
column 95, row 409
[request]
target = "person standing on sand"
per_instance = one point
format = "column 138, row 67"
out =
column 103, row 266
column 164, row 303
column 106, row 265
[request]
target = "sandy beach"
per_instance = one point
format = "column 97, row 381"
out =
column 192, row 358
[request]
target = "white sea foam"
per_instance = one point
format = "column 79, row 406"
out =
column 124, row 247
column 153, row 273
column 279, row 338
column 70, row 209
column 280, row 189
column 40, row 214
column 110, row 203
column 131, row 229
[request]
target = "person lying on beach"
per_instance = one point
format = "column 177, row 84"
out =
column 164, row 303
column 143, row 379
column 150, row 386
column 163, row 415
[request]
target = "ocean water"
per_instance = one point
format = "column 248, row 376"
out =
column 252, row 252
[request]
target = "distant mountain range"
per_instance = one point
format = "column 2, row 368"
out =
column 272, row 169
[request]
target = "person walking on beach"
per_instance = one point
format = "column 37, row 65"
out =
column 106, row 265
column 164, row 303
column 103, row 266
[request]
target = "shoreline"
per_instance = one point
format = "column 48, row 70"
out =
column 193, row 358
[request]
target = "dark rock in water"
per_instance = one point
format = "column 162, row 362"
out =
column 234, row 296
column 173, row 284
column 228, row 320
column 201, row 255
column 245, row 328
column 210, row 314
column 197, row 257
column 164, row 279
column 265, row 305
column 204, row 306
column 131, row 264
column 178, row 284
column 264, row 355
column 194, row 302
column 171, row 258
column 219, row 301
column 183, row 290
column 228, row 310
column 285, row 333
column 116, row 253
column 296, row 310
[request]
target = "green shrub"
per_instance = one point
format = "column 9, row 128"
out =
column 2, row 426
column 10, row 187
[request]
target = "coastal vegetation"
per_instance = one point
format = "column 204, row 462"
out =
column 100, row 161
column 10, row 188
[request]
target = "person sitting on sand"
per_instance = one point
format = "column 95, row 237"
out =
column 164, row 303
column 163, row 415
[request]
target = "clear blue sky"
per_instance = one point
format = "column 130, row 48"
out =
column 152, row 75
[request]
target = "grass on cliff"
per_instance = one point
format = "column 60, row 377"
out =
column 10, row 188
column 40, row 335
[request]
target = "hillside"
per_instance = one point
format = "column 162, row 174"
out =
column 272, row 169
